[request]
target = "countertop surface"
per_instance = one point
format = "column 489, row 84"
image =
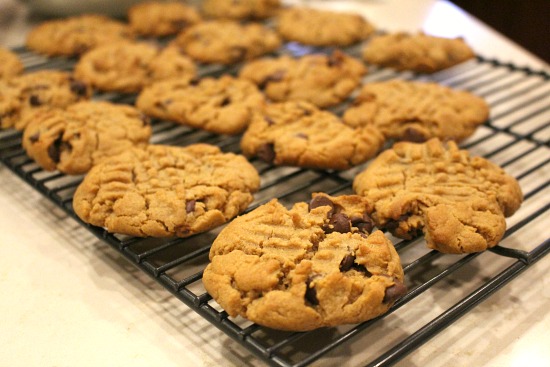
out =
column 68, row 299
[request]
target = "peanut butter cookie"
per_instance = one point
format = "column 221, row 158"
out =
column 417, row 111
column 312, row 266
column 166, row 191
column 300, row 134
column 459, row 202
column 74, row 139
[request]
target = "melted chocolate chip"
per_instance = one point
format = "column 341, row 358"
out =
column 225, row 102
column 79, row 88
column 277, row 76
column 362, row 269
column 318, row 201
column 311, row 294
column 335, row 59
column 269, row 120
column 34, row 137
column 266, row 152
column 34, row 100
column 394, row 292
column 339, row 222
column 194, row 82
column 190, row 206
column 54, row 150
column 347, row 262
column 413, row 135
column 364, row 224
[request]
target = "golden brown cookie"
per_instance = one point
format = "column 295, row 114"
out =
column 161, row 18
column 127, row 67
column 224, row 105
column 459, row 202
column 417, row 111
column 21, row 96
column 300, row 134
column 74, row 139
column 75, row 35
column 10, row 64
column 166, row 191
column 324, row 80
column 240, row 9
column 322, row 27
column 308, row 267
column 417, row 52
column 227, row 42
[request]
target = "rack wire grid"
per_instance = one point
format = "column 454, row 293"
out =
column 442, row 287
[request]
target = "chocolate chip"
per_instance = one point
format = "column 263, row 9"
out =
column 225, row 102
column 361, row 268
column 34, row 100
column 413, row 135
column 347, row 262
column 190, row 206
column 34, row 137
column 302, row 135
column 311, row 294
column 238, row 53
column 318, row 201
column 79, row 88
column 266, row 152
column 339, row 222
column 394, row 292
column 335, row 59
column 277, row 76
column 54, row 150
column 364, row 224
column 145, row 119
column 194, row 82
column 269, row 120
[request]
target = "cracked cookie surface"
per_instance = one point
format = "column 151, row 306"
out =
column 166, row 191
column 161, row 18
column 457, row 201
column 10, row 64
column 322, row 27
column 22, row 96
column 73, row 36
column 417, row 52
column 227, row 42
column 223, row 106
column 74, row 139
column 324, row 80
column 128, row 67
column 300, row 134
column 312, row 266
column 417, row 111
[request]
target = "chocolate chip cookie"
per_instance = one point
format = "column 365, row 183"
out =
column 324, row 80
column 23, row 95
column 224, row 105
column 300, row 134
column 166, row 191
column 161, row 18
column 457, row 201
column 322, row 27
column 312, row 266
column 240, row 9
column 127, row 67
column 417, row 111
column 74, row 139
column 75, row 35
column 227, row 42
column 10, row 64
column 417, row 52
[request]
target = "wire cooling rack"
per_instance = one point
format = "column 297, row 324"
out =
column 442, row 287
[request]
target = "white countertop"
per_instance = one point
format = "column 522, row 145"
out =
column 68, row 299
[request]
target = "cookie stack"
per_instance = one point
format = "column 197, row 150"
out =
column 228, row 68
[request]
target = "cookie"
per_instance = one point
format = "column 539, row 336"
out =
column 222, row 106
column 417, row 111
column 324, row 80
column 127, row 67
column 23, row 95
column 322, row 27
column 166, row 191
column 75, row 35
column 312, row 266
column 227, row 42
column 240, row 9
column 416, row 52
column 300, row 134
column 10, row 64
column 161, row 18
column 457, row 201
column 74, row 139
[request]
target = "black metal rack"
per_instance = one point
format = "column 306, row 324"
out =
column 515, row 137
